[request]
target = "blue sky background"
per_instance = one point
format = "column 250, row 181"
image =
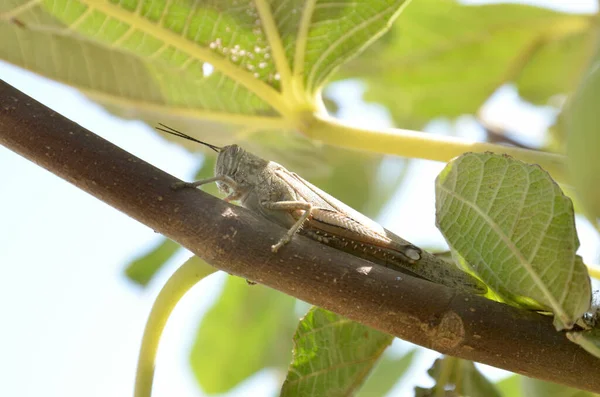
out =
column 72, row 323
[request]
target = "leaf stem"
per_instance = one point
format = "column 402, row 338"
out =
column 421, row 145
column 594, row 271
column 184, row 278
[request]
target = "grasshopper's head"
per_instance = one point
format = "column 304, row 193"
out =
column 233, row 161
column 241, row 166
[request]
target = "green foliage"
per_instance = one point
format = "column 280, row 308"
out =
column 583, row 143
column 386, row 374
column 522, row 386
column 317, row 369
column 516, row 230
column 446, row 58
column 539, row 388
column 235, row 62
column 238, row 68
column 248, row 328
column 456, row 377
column 511, row 386
column 253, row 72
column 142, row 269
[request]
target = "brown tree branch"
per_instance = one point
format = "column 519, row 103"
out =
column 238, row 242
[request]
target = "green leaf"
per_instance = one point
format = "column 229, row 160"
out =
column 510, row 387
column 583, row 143
column 539, row 388
column 517, row 385
column 457, row 377
column 146, row 53
column 589, row 340
column 386, row 374
column 243, row 70
column 516, row 230
column 447, row 58
column 255, row 63
column 247, row 329
column 558, row 59
column 142, row 269
column 332, row 355
column 327, row 34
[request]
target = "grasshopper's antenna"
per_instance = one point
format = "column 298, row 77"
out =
column 180, row 134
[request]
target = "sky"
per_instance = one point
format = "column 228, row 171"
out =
column 71, row 321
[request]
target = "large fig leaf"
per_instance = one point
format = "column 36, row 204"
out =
column 516, row 230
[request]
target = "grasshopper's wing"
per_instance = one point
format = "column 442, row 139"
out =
column 335, row 217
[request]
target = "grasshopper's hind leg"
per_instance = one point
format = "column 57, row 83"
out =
column 289, row 206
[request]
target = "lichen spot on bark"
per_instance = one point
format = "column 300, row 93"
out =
column 450, row 332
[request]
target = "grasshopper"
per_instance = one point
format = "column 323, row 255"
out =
column 283, row 197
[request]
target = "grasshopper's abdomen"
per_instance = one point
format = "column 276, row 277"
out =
column 427, row 267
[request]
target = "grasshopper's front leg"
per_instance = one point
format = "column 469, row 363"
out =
column 289, row 206
column 233, row 185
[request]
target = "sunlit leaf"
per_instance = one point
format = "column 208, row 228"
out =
column 516, row 230
column 558, row 59
column 583, row 143
column 511, row 386
column 539, row 388
column 457, row 377
column 142, row 269
column 146, row 54
column 332, row 355
column 386, row 374
column 249, row 328
column 326, row 34
column 443, row 58
column 237, row 62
